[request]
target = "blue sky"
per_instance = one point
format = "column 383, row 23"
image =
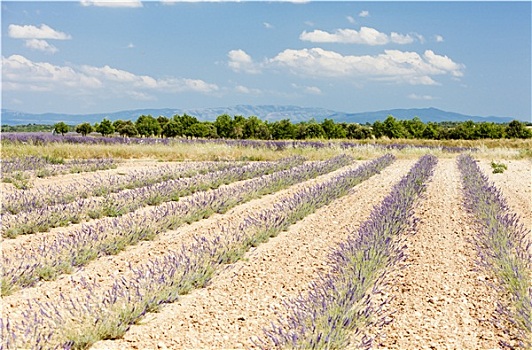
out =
column 96, row 57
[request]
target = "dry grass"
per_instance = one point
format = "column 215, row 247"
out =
column 501, row 149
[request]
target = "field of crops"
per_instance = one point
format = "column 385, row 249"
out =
column 398, row 249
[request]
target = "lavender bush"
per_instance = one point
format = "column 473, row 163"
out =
column 45, row 138
column 504, row 247
column 94, row 315
column 24, row 201
column 337, row 302
column 110, row 235
column 43, row 219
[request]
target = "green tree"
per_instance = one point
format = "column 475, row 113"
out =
column 148, row 126
column 105, row 127
column 414, row 127
column 517, row 130
column 283, row 130
column 332, row 130
column 394, row 129
column 224, row 126
column 431, row 131
column 127, row 129
column 252, row 127
column 186, row 120
column 84, row 129
column 172, row 129
column 61, row 128
column 357, row 131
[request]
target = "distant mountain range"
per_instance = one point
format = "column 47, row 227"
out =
column 265, row 112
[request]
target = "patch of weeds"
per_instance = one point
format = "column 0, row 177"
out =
column 41, row 173
column 6, row 287
column 54, row 160
column 498, row 168
column 19, row 179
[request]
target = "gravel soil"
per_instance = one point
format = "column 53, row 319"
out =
column 440, row 300
column 244, row 298
column 439, row 297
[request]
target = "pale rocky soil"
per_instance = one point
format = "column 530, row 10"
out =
column 441, row 300
column 243, row 298
column 515, row 185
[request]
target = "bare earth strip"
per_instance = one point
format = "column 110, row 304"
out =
column 242, row 299
column 441, row 299
column 515, row 184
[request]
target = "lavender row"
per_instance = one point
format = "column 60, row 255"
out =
column 79, row 322
column 47, row 166
column 45, row 138
column 21, row 201
column 504, row 246
column 108, row 236
column 338, row 302
column 117, row 204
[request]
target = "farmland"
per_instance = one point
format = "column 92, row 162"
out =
column 266, row 245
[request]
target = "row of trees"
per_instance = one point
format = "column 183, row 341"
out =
column 239, row 127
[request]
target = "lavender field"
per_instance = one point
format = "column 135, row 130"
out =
column 395, row 247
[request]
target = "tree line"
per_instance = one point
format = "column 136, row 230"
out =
column 239, row 127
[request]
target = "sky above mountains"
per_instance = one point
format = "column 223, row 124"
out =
column 93, row 57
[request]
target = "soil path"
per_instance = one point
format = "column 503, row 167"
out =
column 243, row 298
column 515, row 184
column 441, row 300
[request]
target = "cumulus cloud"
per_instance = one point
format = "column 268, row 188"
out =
column 40, row 45
column 20, row 73
column 363, row 14
column 365, row 36
column 267, row 25
column 392, row 65
column 351, row 20
column 438, row 38
column 240, row 61
column 112, row 3
column 32, row 32
column 35, row 36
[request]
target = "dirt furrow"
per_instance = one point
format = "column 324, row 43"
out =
column 515, row 184
column 441, row 300
column 243, row 298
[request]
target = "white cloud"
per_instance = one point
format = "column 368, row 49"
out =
column 421, row 97
column 392, row 65
column 267, row 25
column 112, row 3
column 32, row 32
column 19, row 73
column 444, row 63
column 438, row 38
column 363, row 14
column 35, row 36
column 40, row 45
column 351, row 20
column 240, row 61
column 400, row 38
column 366, row 36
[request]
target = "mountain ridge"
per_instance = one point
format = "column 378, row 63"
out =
column 265, row 112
